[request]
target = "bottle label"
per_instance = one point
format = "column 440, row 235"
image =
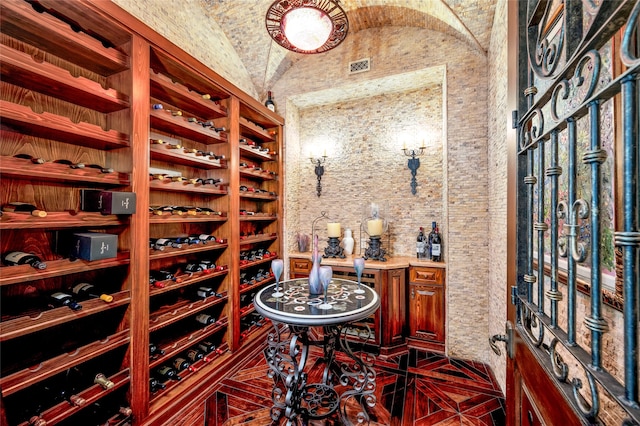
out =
column 203, row 318
column 204, row 236
column 420, row 246
column 435, row 249
column 162, row 241
column 82, row 287
column 15, row 256
column 165, row 371
column 59, row 295
column 202, row 293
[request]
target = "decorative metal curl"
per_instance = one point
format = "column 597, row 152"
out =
column 560, row 368
column 569, row 242
column 532, row 128
column 544, row 55
column 588, row 411
column 625, row 48
column 530, row 322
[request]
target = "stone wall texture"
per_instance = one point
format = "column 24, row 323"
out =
column 498, row 120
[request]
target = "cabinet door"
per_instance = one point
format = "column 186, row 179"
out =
column 426, row 314
column 299, row 268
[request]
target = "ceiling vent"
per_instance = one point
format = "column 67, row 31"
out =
column 361, row 65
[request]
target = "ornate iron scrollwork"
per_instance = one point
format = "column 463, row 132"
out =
column 569, row 242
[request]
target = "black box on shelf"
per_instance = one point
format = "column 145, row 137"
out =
column 94, row 245
column 108, row 202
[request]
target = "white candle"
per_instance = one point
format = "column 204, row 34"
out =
column 374, row 227
column 334, row 229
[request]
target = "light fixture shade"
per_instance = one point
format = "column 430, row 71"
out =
column 307, row 26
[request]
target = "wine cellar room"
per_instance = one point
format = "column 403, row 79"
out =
column 215, row 214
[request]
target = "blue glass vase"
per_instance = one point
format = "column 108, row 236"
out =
column 315, row 285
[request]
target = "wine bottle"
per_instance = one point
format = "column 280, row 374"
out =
column 430, row 239
column 180, row 364
column 14, row 258
column 269, row 102
column 167, row 373
column 59, row 298
column 208, row 238
column 194, row 355
column 164, row 242
column 26, row 208
column 155, row 385
column 161, row 275
column 206, row 346
column 421, row 245
column 436, row 247
column 205, row 319
column 155, row 349
column 70, row 163
column 103, row 381
column 34, row 160
column 204, row 292
column 89, row 291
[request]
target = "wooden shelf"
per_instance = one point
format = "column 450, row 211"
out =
column 53, row 172
column 56, row 268
column 187, row 218
column 252, row 173
column 169, row 315
column 258, row 218
column 178, row 156
column 21, row 21
column 21, row 70
column 257, row 239
column 258, row 195
column 60, row 220
column 21, row 326
column 251, row 129
column 162, row 87
column 256, row 263
column 247, row 151
column 158, row 185
column 258, row 284
column 186, row 282
column 56, row 127
column 162, row 120
column 23, row 379
column 186, row 250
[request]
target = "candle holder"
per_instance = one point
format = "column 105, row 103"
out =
column 414, row 164
column 375, row 225
column 334, row 250
column 319, row 163
column 375, row 250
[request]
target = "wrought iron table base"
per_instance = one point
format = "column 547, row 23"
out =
column 296, row 399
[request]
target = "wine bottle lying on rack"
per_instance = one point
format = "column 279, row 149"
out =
column 89, row 291
column 155, row 385
column 15, row 258
column 26, row 208
column 155, row 349
column 60, row 298
column 166, row 372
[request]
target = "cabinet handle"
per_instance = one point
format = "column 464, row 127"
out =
column 413, row 293
column 426, row 293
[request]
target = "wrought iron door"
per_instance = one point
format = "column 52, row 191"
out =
column 578, row 202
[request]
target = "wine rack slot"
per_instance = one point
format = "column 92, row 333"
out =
column 22, row 326
column 21, row 21
column 20, row 69
column 47, row 125
column 21, row 380
column 56, row 268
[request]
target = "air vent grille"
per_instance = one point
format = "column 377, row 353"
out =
column 361, row 65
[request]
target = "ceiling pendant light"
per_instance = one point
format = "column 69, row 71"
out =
column 307, row 26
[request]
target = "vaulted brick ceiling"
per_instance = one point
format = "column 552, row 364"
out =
column 243, row 23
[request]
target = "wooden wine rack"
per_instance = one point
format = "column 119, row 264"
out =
column 78, row 81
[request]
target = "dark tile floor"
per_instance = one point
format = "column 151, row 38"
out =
column 418, row 388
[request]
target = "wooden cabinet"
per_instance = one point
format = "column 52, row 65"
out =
column 389, row 322
column 80, row 95
column 427, row 307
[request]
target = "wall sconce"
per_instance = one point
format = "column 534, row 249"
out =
column 413, row 164
column 319, row 163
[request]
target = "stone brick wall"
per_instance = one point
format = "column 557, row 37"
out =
column 498, row 121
